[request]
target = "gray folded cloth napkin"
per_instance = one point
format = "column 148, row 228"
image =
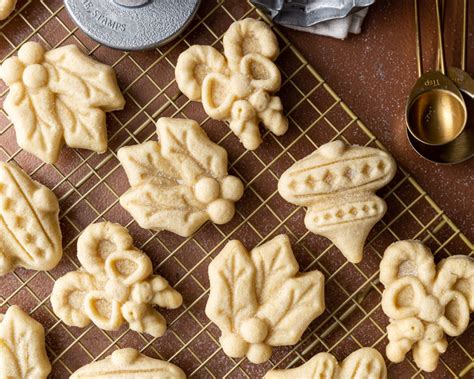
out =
column 332, row 18
column 337, row 28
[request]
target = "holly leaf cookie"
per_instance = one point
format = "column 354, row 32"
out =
column 59, row 96
column 260, row 300
column 22, row 347
column 180, row 182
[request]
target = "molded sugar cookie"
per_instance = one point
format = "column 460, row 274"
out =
column 115, row 284
column 6, row 8
column 237, row 88
column 423, row 301
column 259, row 300
column 59, row 95
column 22, row 348
column 129, row 364
column 337, row 183
column 30, row 236
column 180, row 182
column 361, row 364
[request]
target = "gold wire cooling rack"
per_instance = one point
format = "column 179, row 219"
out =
column 88, row 186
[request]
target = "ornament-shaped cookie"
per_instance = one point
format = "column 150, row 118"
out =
column 238, row 86
column 424, row 302
column 22, row 348
column 6, row 8
column 30, row 236
column 129, row 364
column 361, row 364
column 59, row 96
column 337, row 183
column 260, row 300
column 114, row 285
column 179, row 182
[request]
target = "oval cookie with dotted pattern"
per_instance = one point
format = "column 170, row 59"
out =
column 30, row 236
column 337, row 183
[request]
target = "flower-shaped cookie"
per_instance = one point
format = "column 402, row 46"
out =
column 22, row 349
column 337, row 183
column 30, row 235
column 260, row 300
column 423, row 301
column 364, row 363
column 6, row 7
column 179, row 182
column 238, row 87
column 129, row 363
column 116, row 284
column 56, row 96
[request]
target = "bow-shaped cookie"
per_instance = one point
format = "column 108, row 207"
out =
column 115, row 285
column 237, row 88
column 423, row 301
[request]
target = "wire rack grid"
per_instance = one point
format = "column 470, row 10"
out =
column 88, row 187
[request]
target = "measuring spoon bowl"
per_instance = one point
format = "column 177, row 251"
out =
column 456, row 151
column 463, row 80
column 436, row 113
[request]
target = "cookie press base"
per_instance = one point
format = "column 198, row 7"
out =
column 132, row 24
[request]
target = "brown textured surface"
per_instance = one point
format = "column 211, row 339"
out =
column 88, row 186
column 374, row 72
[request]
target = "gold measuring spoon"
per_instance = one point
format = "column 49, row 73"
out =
column 435, row 113
column 459, row 75
column 461, row 148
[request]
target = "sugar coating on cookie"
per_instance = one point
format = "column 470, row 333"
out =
column 238, row 86
column 30, row 235
column 115, row 285
column 424, row 301
column 6, row 8
column 22, row 346
column 360, row 364
column 259, row 299
column 180, row 182
column 59, row 96
column 337, row 183
column 129, row 363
